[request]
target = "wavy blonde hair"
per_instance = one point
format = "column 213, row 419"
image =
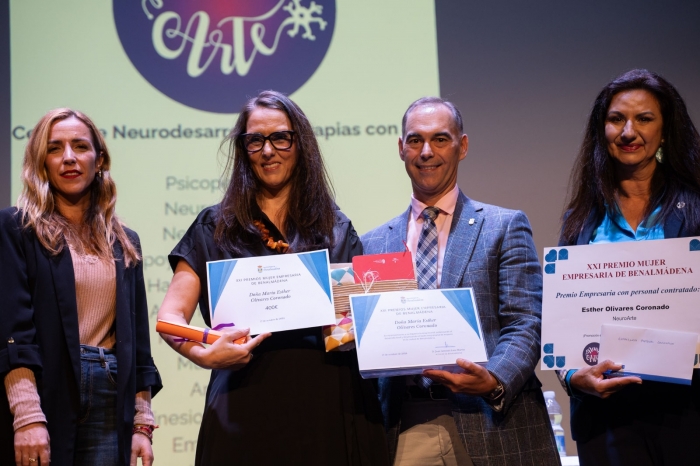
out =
column 100, row 227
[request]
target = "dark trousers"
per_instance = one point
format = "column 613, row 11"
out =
column 651, row 424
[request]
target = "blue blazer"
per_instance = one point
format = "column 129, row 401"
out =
column 491, row 250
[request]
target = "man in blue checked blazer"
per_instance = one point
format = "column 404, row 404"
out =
column 491, row 414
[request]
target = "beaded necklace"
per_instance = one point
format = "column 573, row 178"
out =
column 279, row 246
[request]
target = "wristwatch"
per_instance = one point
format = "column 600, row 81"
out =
column 497, row 392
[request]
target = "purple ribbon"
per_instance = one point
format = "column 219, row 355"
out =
column 206, row 332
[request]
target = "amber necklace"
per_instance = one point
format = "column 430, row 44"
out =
column 279, row 246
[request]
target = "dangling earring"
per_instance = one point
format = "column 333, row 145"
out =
column 99, row 173
column 660, row 155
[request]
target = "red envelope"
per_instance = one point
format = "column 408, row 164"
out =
column 381, row 267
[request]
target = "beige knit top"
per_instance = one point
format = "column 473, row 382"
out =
column 96, row 296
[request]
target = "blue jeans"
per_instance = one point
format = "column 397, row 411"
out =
column 96, row 441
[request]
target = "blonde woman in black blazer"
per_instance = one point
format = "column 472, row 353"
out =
column 68, row 202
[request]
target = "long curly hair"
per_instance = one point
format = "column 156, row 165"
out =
column 310, row 214
column 594, row 180
column 100, row 227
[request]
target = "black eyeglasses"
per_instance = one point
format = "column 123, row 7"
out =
column 280, row 140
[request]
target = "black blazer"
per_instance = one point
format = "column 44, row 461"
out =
column 39, row 330
column 587, row 411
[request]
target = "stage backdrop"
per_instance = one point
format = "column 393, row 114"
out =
column 164, row 81
column 524, row 75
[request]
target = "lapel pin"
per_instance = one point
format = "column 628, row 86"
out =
column 471, row 221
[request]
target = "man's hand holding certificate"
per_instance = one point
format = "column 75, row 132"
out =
column 645, row 285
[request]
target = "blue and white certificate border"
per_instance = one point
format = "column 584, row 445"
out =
column 461, row 298
column 219, row 272
column 364, row 305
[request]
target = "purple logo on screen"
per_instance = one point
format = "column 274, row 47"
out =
column 213, row 55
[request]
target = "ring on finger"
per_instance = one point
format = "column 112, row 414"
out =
column 32, row 460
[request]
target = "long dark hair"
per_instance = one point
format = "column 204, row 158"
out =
column 310, row 213
column 594, row 181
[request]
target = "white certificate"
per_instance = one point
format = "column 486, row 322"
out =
column 404, row 332
column 659, row 355
column 271, row 293
column 646, row 284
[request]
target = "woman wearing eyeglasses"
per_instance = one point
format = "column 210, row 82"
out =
column 280, row 398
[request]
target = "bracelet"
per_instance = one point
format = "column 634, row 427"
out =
column 145, row 430
column 570, row 373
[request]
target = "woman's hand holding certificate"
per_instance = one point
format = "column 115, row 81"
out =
column 225, row 353
column 177, row 309
column 592, row 380
column 228, row 349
